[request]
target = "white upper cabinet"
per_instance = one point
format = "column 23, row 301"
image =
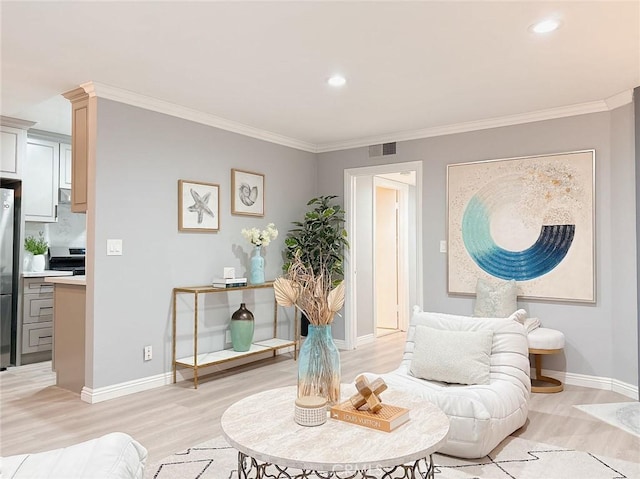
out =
column 65, row 165
column 12, row 141
column 40, row 180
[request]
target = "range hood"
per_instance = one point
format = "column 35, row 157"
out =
column 64, row 196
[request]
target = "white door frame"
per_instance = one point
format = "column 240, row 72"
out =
column 350, row 272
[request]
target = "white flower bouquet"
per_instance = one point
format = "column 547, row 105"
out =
column 259, row 237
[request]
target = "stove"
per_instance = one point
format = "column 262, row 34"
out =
column 63, row 258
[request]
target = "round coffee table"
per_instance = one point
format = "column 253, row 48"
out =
column 261, row 427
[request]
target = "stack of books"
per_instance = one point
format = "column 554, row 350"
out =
column 229, row 282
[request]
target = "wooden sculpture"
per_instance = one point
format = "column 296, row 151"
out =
column 368, row 394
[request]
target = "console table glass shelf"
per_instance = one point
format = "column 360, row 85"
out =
column 200, row 360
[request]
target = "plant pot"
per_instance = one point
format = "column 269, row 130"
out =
column 242, row 327
column 37, row 263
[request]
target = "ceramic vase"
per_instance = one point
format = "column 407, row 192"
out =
column 37, row 263
column 257, row 267
column 319, row 365
column 242, row 326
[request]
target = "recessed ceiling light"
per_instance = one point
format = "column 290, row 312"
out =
column 545, row 26
column 337, row 80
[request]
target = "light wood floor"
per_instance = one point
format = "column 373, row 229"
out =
column 36, row 415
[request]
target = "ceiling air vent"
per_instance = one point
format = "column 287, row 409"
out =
column 382, row 149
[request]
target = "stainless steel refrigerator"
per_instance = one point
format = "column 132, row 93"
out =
column 8, row 288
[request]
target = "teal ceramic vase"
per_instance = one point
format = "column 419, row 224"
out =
column 319, row 365
column 242, row 326
column 257, row 267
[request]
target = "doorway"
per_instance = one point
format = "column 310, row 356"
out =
column 384, row 262
column 389, row 266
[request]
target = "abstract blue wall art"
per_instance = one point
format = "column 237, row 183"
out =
column 528, row 219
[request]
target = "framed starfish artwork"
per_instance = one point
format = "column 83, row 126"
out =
column 247, row 193
column 198, row 206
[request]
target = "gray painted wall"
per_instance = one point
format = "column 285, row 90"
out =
column 601, row 339
column 141, row 155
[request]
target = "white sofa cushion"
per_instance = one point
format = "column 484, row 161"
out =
column 480, row 415
column 433, row 358
column 112, row 456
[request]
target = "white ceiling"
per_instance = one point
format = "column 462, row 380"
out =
column 409, row 65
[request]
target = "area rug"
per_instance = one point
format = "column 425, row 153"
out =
column 514, row 458
column 623, row 415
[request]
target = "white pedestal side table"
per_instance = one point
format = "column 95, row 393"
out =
column 270, row 443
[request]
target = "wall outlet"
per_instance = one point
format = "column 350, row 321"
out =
column 148, row 353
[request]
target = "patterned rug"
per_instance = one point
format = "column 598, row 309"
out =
column 623, row 415
column 514, row 459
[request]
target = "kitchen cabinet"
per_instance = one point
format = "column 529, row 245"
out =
column 40, row 180
column 13, row 142
column 69, row 332
column 37, row 315
column 84, row 106
column 65, row 166
column 200, row 360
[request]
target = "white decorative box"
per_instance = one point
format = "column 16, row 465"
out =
column 311, row 411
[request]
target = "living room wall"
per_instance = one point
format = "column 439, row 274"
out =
column 140, row 157
column 601, row 338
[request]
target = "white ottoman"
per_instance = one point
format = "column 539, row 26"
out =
column 545, row 341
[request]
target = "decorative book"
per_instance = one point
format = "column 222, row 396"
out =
column 387, row 418
column 229, row 282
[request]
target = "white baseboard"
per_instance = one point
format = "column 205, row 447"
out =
column 97, row 395
column 593, row 382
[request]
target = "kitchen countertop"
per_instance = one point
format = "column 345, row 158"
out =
column 46, row 272
column 72, row 280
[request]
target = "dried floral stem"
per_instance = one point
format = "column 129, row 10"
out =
column 312, row 294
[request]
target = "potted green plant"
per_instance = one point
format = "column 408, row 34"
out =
column 37, row 247
column 320, row 241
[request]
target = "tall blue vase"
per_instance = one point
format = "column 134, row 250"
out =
column 319, row 365
column 257, row 267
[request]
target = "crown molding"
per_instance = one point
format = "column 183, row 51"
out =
column 541, row 115
column 108, row 92
column 149, row 103
column 16, row 122
column 621, row 99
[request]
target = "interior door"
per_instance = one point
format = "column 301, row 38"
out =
column 386, row 257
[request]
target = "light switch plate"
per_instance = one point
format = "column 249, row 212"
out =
column 114, row 247
column 443, row 246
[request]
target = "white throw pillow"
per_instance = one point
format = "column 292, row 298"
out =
column 495, row 300
column 519, row 316
column 461, row 357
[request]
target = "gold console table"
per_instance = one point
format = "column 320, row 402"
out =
column 200, row 360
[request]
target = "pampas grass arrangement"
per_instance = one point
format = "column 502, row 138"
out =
column 312, row 294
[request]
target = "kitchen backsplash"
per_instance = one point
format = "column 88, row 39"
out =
column 70, row 230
